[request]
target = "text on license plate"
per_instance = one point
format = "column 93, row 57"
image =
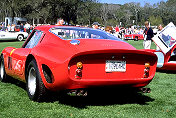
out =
column 115, row 66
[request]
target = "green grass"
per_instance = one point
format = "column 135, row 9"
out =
column 139, row 44
column 160, row 103
column 5, row 44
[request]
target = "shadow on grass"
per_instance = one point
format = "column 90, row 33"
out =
column 96, row 97
column 106, row 97
column 8, row 41
column 166, row 71
column 16, row 82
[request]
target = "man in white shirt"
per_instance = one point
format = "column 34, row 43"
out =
column 27, row 26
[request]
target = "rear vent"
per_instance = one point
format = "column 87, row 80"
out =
column 48, row 74
column 10, row 63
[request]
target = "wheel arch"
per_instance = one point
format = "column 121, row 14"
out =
column 29, row 58
column 45, row 72
column 21, row 34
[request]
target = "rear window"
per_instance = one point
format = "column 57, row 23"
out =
column 70, row 33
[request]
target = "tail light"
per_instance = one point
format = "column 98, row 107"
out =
column 146, row 70
column 79, row 70
column 79, row 65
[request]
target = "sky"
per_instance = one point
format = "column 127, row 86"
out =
column 128, row 1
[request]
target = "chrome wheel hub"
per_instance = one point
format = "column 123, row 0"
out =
column 2, row 69
column 32, row 81
column 20, row 38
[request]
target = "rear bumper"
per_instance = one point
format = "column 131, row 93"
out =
column 140, row 82
column 87, row 84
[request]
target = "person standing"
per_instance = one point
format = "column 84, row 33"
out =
column 109, row 29
column 60, row 22
column 8, row 28
column 21, row 28
column 148, row 35
column 3, row 28
column 27, row 26
column 95, row 25
column 160, row 27
column 13, row 27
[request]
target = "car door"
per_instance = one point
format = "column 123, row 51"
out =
column 7, row 35
column 19, row 55
column 18, row 59
column 166, row 39
column 3, row 35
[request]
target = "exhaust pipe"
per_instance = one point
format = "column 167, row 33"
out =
column 78, row 92
column 145, row 90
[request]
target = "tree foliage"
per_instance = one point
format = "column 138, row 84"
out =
column 85, row 12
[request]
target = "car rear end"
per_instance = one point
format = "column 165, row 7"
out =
column 112, row 68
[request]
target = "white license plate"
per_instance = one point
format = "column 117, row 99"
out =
column 115, row 66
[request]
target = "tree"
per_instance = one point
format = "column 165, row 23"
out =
column 155, row 21
column 88, row 11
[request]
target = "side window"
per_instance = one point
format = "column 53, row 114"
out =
column 33, row 41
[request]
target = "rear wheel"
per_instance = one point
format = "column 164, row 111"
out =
column 20, row 37
column 34, row 84
column 2, row 70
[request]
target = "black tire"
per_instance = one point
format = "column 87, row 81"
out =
column 35, row 88
column 3, row 75
column 136, row 39
column 20, row 37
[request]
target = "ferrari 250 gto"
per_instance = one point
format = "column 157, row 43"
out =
column 58, row 58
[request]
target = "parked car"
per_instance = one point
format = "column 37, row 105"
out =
column 17, row 28
column 58, row 58
column 135, row 37
column 4, row 35
column 166, row 41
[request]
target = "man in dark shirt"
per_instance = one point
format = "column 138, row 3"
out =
column 148, row 35
column 21, row 28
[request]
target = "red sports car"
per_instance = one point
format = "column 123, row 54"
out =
column 70, row 58
column 135, row 37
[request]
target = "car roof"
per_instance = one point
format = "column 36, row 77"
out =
column 48, row 27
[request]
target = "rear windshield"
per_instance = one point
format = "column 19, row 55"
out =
column 70, row 33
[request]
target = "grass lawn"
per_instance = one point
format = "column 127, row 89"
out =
column 160, row 103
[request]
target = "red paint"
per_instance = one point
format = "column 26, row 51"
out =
column 134, row 36
column 167, row 58
column 61, row 57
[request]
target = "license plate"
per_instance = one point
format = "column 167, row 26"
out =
column 115, row 66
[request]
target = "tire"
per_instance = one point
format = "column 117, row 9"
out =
column 136, row 39
column 35, row 88
column 20, row 37
column 3, row 76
